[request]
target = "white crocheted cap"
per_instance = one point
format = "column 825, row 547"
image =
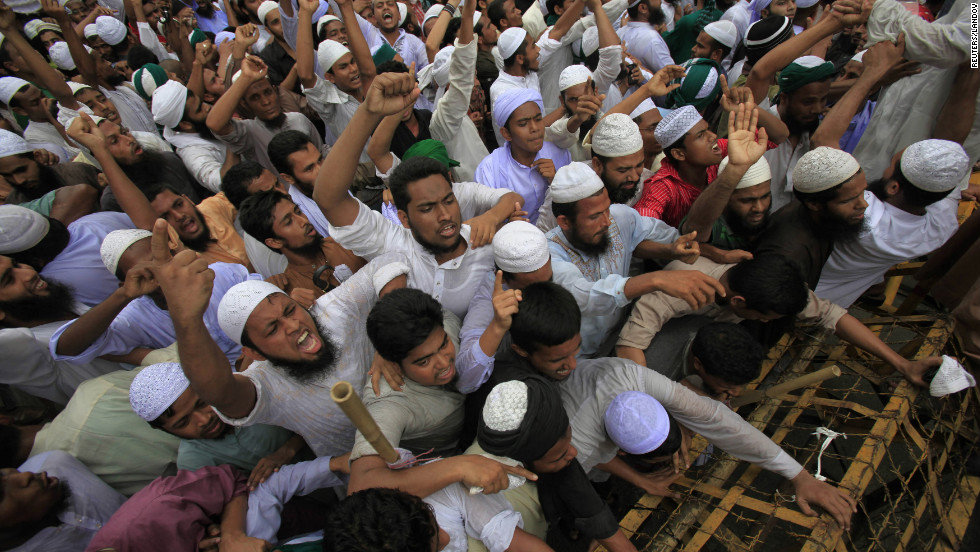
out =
column 616, row 135
column 590, row 41
column 12, row 144
column 506, row 406
column 156, row 388
column 758, row 173
column 724, row 32
column 823, row 168
column 645, row 105
column 636, row 422
column 239, row 302
column 520, row 247
column 265, row 8
column 935, row 165
column 328, row 52
column 676, row 124
column 77, row 87
column 320, row 23
column 572, row 75
column 110, row 29
column 169, row 101
column 573, row 182
column 20, row 228
column 61, row 57
column 510, row 40
column 117, row 242
column 10, row 86
column 90, row 31
column 951, row 378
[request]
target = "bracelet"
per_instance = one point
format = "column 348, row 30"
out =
column 450, row 9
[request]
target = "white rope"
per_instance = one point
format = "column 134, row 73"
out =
column 829, row 435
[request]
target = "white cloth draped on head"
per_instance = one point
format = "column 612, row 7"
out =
column 508, row 102
column 169, row 101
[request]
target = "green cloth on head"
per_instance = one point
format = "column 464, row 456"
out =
column 384, row 53
column 803, row 71
column 148, row 78
column 699, row 87
column 686, row 30
column 197, row 35
column 433, row 149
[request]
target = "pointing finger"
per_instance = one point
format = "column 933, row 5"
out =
column 498, row 283
column 159, row 243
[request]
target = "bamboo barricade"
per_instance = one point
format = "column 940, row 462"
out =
column 807, row 380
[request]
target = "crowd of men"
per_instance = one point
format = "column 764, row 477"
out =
column 545, row 242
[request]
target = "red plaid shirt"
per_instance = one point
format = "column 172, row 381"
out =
column 667, row 197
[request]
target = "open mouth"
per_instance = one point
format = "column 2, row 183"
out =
column 716, row 149
column 308, row 343
column 448, row 230
column 563, row 372
column 213, row 428
column 446, row 375
column 310, row 230
column 39, row 285
column 190, row 226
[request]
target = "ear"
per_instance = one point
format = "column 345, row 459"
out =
column 596, row 165
column 18, row 111
column 764, row 13
column 505, row 132
column 329, row 77
column 738, row 301
column 698, row 365
column 520, row 352
column 892, row 188
column 813, row 206
column 274, row 243
column 679, row 154
column 717, row 56
column 253, row 353
column 403, row 217
column 564, row 223
column 287, row 178
column 620, row 452
column 185, row 126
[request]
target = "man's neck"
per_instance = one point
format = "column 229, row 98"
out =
column 516, row 71
column 302, row 258
column 285, row 46
column 390, row 36
column 412, row 124
column 523, row 157
column 695, row 175
column 898, row 202
column 484, row 47
column 450, row 255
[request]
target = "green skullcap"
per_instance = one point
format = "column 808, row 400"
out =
column 197, row 35
column 384, row 53
column 699, row 87
column 804, row 71
column 433, row 149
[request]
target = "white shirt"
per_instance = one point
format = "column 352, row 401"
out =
column 149, row 39
column 45, row 133
column 782, row 160
column 488, row 518
column 131, row 108
column 646, row 44
column 335, row 107
column 265, row 503
column 450, row 123
column 894, row 236
column 741, row 16
column 202, row 157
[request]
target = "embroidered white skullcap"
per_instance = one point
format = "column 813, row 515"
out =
column 573, row 182
column 90, row 31
column 328, row 52
column 823, row 168
column 506, row 406
column 510, row 40
column 117, row 242
column 636, row 422
column 951, row 378
column 169, row 101
column 20, row 228
column 758, row 173
column 402, row 13
column 61, row 57
column 724, row 32
column 616, row 135
column 645, row 106
column 265, row 8
column 239, row 302
column 156, row 388
column 322, row 22
column 676, row 124
column 10, row 86
column 432, row 13
column 77, row 87
column 35, row 27
column 12, row 144
column 110, row 29
column 590, row 41
column 440, row 66
column 222, row 36
column 935, row 165
column 520, row 247
column 572, row 75
column 508, row 102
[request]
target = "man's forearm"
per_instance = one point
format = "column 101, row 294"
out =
column 421, row 480
column 84, row 331
column 505, row 206
column 712, row 201
column 851, row 329
column 207, row 368
column 836, row 121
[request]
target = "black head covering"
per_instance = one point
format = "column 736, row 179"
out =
column 545, row 423
column 766, row 34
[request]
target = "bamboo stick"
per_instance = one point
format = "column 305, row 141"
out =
column 343, row 394
column 783, row 388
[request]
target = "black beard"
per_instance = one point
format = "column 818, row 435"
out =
column 312, row 249
column 623, row 194
column 307, row 371
column 432, row 248
column 115, row 79
column 840, row 230
column 741, row 229
column 58, row 301
column 201, row 242
column 202, row 130
column 589, row 249
column 205, row 9
column 797, row 128
column 277, row 122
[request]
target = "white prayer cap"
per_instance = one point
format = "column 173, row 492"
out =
column 239, row 302
column 110, row 29
column 859, row 57
column 590, row 41
column 757, row 174
column 506, row 406
column 616, row 135
column 12, row 144
column 508, row 102
column 676, row 124
column 935, row 165
column 156, row 388
column 169, row 101
column 24, row 6
column 10, row 86
column 35, row 27
column 823, row 168
column 510, row 40
column 806, row 3
column 117, row 242
column 91, row 31
column 520, row 247
column 573, row 182
column 440, row 66
column 645, row 105
column 724, row 32
column 636, row 422
column 61, row 57
column 402, row 13
column 572, row 75
column 476, row 17
column 432, row 12
column 951, row 378
column 328, row 52
column 146, row 79
column 322, row 22
column 265, row 8
column 77, row 87
column 20, row 228
column 222, row 36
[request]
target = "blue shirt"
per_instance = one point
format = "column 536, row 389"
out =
column 501, row 170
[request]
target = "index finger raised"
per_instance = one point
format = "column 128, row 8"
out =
column 498, row 283
column 159, row 243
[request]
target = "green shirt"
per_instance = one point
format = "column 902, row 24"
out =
column 242, row 447
column 685, row 34
column 723, row 237
column 42, row 204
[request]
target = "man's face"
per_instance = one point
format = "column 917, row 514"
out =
column 620, row 175
column 514, row 18
column 703, row 47
column 180, row 212
column 48, row 38
column 489, row 32
column 26, row 297
column 558, row 457
column 99, row 104
column 847, row 208
column 78, row 10
column 21, row 172
column 852, row 70
column 556, row 362
column 153, row 15
column 345, row 74
column 265, row 182
column 532, row 55
column 433, row 362
column 718, row 388
column 100, row 46
column 196, row 110
column 569, row 98
column 785, row 8
column 214, row 85
column 701, row 146
column 520, row 280
column 648, row 125
column 589, row 231
column 262, row 100
column 20, row 282
column 335, row 31
column 121, row 144
column 279, row 327
column 386, row 14
column 273, row 22
column 291, row 226
column 189, row 417
column 805, row 105
column 750, row 206
column 433, row 214
column 27, row 497
column 525, row 128
column 306, row 166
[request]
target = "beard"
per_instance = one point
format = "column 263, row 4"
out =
column 307, row 371
column 797, row 128
column 623, row 194
column 58, row 301
column 201, row 242
column 435, row 249
column 277, row 122
column 589, row 249
column 205, row 9
column 841, row 230
column 311, row 249
column 202, row 130
column 743, row 229
column 114, row 79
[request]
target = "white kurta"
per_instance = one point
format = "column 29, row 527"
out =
column 450, row 123
column 646, row 44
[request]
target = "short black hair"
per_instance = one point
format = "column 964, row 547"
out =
column 139, row 55
column 823, row 196
column 392, row 66
column 257, row 211
column 9, row 445
column 549, row 316
column 153, row 190
column 284, row 144
column 729, row 352
column 715, row 45
column 552, row 5
column 770, row 283
column 914, row 194
column 412, row 170
column 496, row 12
column 401, row 321
column 235, row 182
column 53, row 243
column 380, row 519
column 451, row 31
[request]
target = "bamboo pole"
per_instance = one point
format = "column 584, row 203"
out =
column 783, row 388
column 343, row 394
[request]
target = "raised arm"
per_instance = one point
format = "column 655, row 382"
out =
column 357, row 44
column 83, row 60
column 305, row 66
column 245, row 37
column 48, row 77
column 438, row 31
column 219, row 118
column 379, row 148
column 956, row 118
column 657, row 86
